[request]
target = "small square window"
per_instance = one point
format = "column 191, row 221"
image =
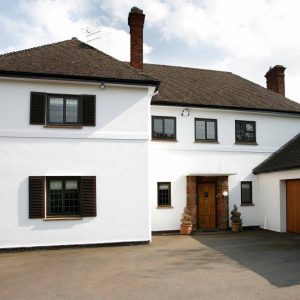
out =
column 206, row 130
column 246, row 192
column 245, row 132
column 164, row 194
column 163, row 128
column 63, row 110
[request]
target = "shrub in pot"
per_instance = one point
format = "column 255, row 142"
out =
column 186, row 222
column 236, row 225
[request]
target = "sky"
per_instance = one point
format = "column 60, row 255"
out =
column 245, row 37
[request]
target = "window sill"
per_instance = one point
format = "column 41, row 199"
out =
column 244, row 143
column 250, row 204
column 62, row 218
column 206, row 141
column 164, row 140
column 164, row 207
column 63, row 126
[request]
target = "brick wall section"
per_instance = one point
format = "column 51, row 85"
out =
column 222, row 202
column 191, row 198
column 136, row 20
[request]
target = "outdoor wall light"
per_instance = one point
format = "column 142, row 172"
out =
column 102, row 86
column 225, row 194
column 185, row 113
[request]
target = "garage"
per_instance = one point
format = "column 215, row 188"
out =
column 293, row 205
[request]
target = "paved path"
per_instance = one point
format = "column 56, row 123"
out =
column 248, row 265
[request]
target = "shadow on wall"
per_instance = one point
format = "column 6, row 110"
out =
column 39, row 224
column 274, row 256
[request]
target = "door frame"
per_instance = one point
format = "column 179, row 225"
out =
column 198, row 203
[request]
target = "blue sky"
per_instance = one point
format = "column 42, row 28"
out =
column 245, row 37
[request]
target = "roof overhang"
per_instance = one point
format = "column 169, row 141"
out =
column 211, row 174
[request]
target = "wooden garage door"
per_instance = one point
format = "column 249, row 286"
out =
column 293, row 206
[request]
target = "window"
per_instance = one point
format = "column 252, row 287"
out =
column 245, row 132
column 246, row 193
column 164, row 194
column 206, row 130
column 164, row 128
column 63, row 196
column 63, row 110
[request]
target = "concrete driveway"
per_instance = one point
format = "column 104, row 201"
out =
column 248, row 265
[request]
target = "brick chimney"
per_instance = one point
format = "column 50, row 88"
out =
column 136, row 20
column 275, row 79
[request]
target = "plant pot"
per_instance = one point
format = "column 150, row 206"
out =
column 236, row 227
column 186, row 229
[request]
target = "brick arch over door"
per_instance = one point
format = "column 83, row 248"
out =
column 221, row 201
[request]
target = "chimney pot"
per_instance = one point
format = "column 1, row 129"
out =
column 136, row 20
column 275, row 79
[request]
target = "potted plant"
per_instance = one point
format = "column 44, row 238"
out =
column 186, row 222
column 236, row 220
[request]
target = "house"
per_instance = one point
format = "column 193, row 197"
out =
column 94, row 150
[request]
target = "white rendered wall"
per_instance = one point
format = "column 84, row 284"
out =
column 115, row 151
column 272, row 199
column 173, row 161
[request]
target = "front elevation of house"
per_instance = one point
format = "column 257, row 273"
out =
column 94, row 150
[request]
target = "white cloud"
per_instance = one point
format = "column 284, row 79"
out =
column 251, row 34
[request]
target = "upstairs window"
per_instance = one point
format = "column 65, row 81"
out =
column 246, row 193
column 62, row 110
column 245, row 132
column 164, row 194
column 206, row 130
column 163, row 128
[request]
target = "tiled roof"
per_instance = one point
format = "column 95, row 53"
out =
column 70, row 58
column 285, row 158
column 199, row 87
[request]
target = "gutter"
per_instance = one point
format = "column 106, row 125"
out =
column 32, row 75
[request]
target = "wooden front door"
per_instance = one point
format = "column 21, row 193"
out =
column 207, row 205
column 293, row 205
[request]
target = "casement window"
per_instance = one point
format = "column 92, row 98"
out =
column 164, row 194
column 245, row 132
column 163, row 128
column 62, row 110
column 246, row 193
column 206, row 130
column 62, row 196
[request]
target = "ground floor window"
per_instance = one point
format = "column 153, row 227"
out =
column 163, row 194
column 63, row 196
column 246, row 193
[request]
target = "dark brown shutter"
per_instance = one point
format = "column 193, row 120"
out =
column 88, row 110
column 88, row 196
column 37, row 108
column 36, row 197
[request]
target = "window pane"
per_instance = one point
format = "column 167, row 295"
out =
column 169, row 128
column 56, row 110
column 157, row 128
column 200, row 130
column 71, row 184
column 210, row 127
column 245, row 132
column 71, row 110
column 55, row 197
column 71, row 198
column 246, row 192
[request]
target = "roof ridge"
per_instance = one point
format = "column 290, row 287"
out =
column 186, row 67
column 32, row 48
column 277, row 151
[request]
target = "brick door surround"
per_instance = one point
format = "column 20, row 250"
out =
column 221, row 201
